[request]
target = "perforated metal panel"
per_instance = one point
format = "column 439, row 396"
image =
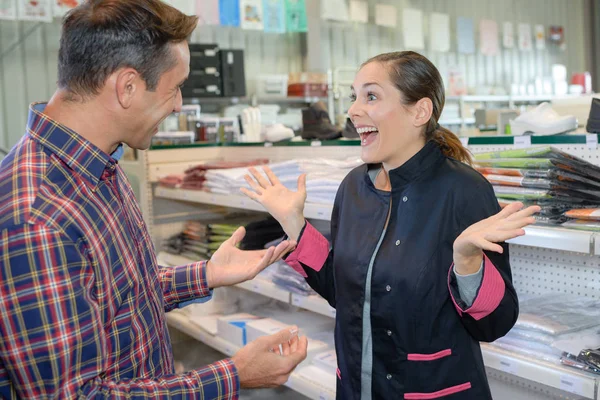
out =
column 541, row 271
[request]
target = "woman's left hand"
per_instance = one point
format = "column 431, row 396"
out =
column 487, row 233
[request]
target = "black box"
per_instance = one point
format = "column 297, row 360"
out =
column 204, row 55
column 232, row 73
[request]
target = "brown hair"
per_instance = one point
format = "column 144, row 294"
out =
column 101, row 36
column 416, row 78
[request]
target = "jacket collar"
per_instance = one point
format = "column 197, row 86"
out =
column 429, row 156
column 79, row 154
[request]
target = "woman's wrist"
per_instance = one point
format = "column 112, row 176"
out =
column 293, row 225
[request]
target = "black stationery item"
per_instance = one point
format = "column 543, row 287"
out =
column 593, row 123
column 232, row 73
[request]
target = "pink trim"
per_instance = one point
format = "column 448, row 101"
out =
column 430, row 357
column 458, row 309
column 312, row 251
column 339, row 374
column 490, row 293
column 438, row 394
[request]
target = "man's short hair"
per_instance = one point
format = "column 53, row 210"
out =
column 101, row 36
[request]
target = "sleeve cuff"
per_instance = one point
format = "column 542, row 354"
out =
column 220, row 380
column 488, row 297
column 312, row 251
column 186, row 284
column 468, row 285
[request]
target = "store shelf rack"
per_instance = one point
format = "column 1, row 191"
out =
column 546, row 373
column 546, row 260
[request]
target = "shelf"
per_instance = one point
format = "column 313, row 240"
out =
column 508, row 98
column 557, row 239
column 553, row 375
column 266, row 288
column 457, row 121
column 546, row 373
column 314, row 303
column 311, row 210
column 296, row 382
column 537, row 236
column 289, row 100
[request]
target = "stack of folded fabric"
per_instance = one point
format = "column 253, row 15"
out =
column 546, row 176
column 195, row 177
column 324, row 177
column 199, row 240
column 553, row 326
column 287, row 278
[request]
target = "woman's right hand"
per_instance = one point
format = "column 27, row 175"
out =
column 285, row 205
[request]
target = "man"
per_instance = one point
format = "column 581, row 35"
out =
column 82, row 300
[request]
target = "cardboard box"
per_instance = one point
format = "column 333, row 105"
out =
column 232, row 328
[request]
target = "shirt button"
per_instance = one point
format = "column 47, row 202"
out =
column 389, row 377
column 397, row 242
column 388, row 288
column 389, row 333
column 405, row 199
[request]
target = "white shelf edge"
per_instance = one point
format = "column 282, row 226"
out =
column 266, row 288
column 311, row 210
column 557, row 239
column 314, row 303
column 555, row 376
column 296, row 382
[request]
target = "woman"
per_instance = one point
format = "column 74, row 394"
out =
column 418, row 269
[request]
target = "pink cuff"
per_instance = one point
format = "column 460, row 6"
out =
column 490, row 292
column 312, row 251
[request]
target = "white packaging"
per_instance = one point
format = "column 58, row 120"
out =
column 232, row 328
column 559, row 72
column 272, row 85
column 326, row 361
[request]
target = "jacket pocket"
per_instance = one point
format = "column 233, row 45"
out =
column 439, row 393
column 429, row 357
column 436, row 374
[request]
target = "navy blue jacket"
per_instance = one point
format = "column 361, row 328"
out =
column 425, row 340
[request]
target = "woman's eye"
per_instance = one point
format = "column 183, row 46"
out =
column 371, row 97
column 352, row 97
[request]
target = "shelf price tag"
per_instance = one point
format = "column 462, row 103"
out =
column 332, row 312
column 315, row 143
column 571, row 384
column 464, row 141
column 297, row 301
column 522, row 141
column 323, row 396
column 268, row 144
column 592, row 141
column 508, row 366
column 256, row 287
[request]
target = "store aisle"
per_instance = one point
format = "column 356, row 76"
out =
column 194, row 354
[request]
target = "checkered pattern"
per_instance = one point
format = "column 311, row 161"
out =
column 82, row 299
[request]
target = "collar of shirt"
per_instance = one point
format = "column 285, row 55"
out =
column 79, row 154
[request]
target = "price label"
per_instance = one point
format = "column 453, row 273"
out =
column 184, row 195
column 571, row 384
column 522, row 141
column 321, row 214
column 591, row 141
column 243, row 202
column 297, row 301
column 268, row 144
column 256, row 287
column 315, row 143
column 213, row 199
column 333, row 312
column 228, row 351
column 508, row 366
column 464, row 141
column 323, row 396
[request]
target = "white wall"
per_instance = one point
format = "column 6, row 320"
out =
column 28, row 69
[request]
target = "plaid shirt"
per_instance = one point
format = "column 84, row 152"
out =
column 82, row 299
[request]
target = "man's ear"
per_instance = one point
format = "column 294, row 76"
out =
column 127, row 84
column 423, row 111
